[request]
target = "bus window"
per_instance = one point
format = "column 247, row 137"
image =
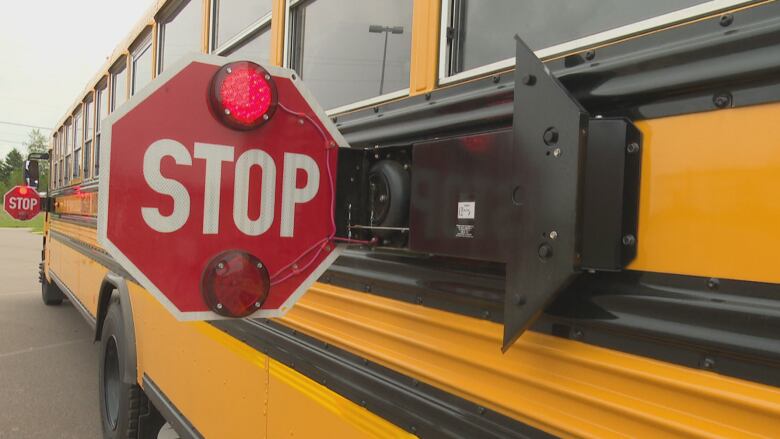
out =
column 101, row 112
column 55, row 155
column 235, row 17
column 77, row 142
column 118, row 83
column 351, row 50
column 482, row 30
column 88, row 136
column 68, row 150
column 61, row 137
column 256, row 47
column 142, row 64
column 180, row 32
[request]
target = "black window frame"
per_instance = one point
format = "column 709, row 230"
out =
column 166, row 15
column 452, row 25
column 141, row 46
column 88, row 128
column 262, row 24
column 78, row 139
column 119, row 67
column 100, row 89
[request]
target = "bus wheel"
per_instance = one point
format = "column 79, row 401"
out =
column 50, row 293
column 121, row 403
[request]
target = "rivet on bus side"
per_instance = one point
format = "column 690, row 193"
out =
column 722, row 100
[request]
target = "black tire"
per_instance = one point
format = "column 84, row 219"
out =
column 389, row 199
column 123, row 405
column 51, row 293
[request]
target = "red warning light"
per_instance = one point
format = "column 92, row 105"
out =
column 235, row 284
column 243, row 95
column 23, row 190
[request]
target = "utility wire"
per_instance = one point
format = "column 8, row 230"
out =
column 24, row 125
column 13, row 141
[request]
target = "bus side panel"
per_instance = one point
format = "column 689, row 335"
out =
column 225, row 388
column 213, row 380
column 66, row 267
column 53, row 259
column 80, row 273
column 708, row 204
column 558, row 385
column 84, row 234
column 300, row 407
column 91, row 275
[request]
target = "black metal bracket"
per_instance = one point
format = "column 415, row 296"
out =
column 574, row 186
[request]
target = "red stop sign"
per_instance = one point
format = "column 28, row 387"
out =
column 22, row 203
column 205, row 215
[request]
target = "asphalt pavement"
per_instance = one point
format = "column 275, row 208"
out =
column 48, row 363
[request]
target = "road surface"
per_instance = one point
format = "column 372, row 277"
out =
column 48, row 363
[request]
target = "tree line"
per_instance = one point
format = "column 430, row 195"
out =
column 12, row 166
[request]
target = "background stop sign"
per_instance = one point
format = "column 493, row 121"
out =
column 22, row 203
column 218, row 189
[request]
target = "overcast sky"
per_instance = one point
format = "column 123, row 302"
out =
column 50, row 50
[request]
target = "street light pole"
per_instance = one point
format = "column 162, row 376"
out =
column 384, row 62
column 387, row 30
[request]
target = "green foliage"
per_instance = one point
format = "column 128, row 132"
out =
column 36, row 142
column 11, row 170
column 36, row 224
column 12, row 166
column 14, row 159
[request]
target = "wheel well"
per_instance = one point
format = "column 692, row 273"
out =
column 115, row 286
column 107, row 289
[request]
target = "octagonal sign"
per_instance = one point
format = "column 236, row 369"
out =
column 217, row 188
column 22, row 203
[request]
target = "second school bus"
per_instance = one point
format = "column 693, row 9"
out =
column 392, row 342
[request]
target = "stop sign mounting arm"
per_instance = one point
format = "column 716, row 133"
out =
column 554, row 197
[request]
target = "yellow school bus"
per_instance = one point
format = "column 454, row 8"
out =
column 395, row 341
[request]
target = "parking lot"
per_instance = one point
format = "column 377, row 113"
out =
column 48, row 363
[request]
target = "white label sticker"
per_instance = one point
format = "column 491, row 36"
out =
column 465, row 231
column 466, row 209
